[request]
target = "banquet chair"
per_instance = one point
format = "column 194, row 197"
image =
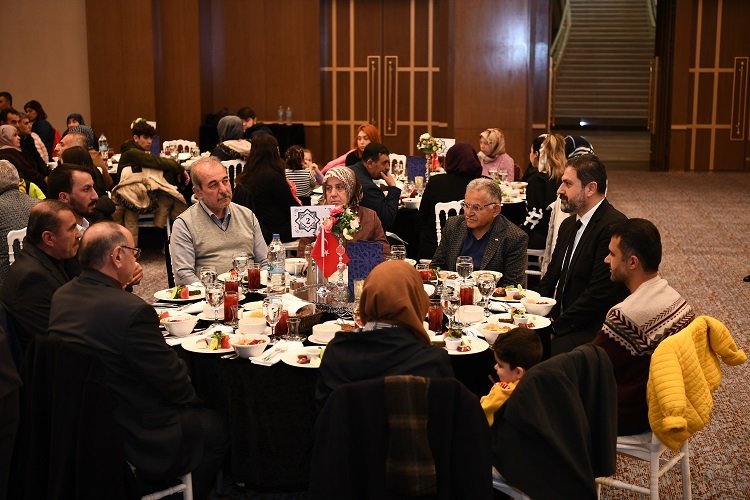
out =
column 72, row 446
column 182, row 146
column 234, row 168
column 13, row 236
column 366, row 429
column 445, row 208
column 534, row 267
column 648, row 448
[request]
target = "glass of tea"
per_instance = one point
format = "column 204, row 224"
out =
column 435, row 315
column 253, row 276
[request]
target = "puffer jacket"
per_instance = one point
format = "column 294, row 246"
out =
column 684, row 372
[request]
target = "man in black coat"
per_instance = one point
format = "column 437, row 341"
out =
column 46, row 262
column 577, row 275
column 374, row 165
column 165, row 431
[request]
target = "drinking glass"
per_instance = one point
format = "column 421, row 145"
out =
column 253, row 276
column 464, row 266
column 435, row 316
column 207, row 275
column 450, row 302
column 503, row 175
column 409, row 189
column 239, row 262
column 424, row 272
column 493, row 173
column 214, row 297
column 293, row 325
column 272, row 311
column 231, row 300
column 419, row 184
column 398, row 252
column 486, row 285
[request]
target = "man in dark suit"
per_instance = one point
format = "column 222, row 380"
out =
column 165, row 431
column 46, row 262
column 577, row 275
column 374, row 165
column 483, row 233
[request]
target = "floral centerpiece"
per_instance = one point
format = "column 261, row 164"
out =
column 342, row 221
column 429, row 146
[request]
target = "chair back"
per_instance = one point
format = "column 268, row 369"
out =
column 445, row 209
column 15, row 236
column 182, row 145
column 534, row 265
column 234, row 168
column 365, row 427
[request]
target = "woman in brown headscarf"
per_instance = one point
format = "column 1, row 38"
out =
column 10, row 149
column 341, row 187
column 393, row 341
column 461, row 167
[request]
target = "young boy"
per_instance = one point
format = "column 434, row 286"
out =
column 515, row 352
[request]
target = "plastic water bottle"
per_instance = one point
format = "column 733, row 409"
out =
column 276, row 258
column 103, row 147
column 288, row 115
column 280, row 114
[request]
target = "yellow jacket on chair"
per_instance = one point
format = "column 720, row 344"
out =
column 684, row 372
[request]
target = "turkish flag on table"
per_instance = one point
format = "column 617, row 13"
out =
column 324, row 253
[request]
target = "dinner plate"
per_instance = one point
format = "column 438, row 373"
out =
column 315, row 340
column 290, row 357
column 166, row 295
column 189, row 345
column 512, row 200
column 538, row 321
column 477, row 345
column 496, row 274
column 509, row 297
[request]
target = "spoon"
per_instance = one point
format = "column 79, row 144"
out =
column 233, row 355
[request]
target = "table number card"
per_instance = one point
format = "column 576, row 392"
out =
column 306, row 220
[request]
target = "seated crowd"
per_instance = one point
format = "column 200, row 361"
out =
column 73, row 275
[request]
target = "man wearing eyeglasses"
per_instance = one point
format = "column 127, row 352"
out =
column 166, row 431
column 492, row 241
column 45, row 263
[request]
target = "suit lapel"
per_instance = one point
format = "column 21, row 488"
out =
column 587, row 233
column 496, row 235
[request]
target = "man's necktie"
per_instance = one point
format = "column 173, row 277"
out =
column 566, row 264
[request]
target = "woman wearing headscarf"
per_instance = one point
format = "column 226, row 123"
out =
column 231, row 144
column 341, row 187
column 262, row 187
column 541, row 192
column 461, row 167
column 10, row 149
column 492, row 153
column 393, row 341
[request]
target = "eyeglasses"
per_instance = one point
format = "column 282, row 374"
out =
column 136, row 251
column 476, row 207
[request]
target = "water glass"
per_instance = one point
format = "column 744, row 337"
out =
column 493, row 173
column 207, row 275
column 486, row 285
column 272, row 311
column 214, row 297
column 450, row 303
column 464, row 266
column 293, row 324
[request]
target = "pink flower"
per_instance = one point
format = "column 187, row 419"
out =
column 327, row 224
column 336, row 211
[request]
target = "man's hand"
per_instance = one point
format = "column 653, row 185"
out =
column 187, row 177
column 388, row 178
column 137, row 275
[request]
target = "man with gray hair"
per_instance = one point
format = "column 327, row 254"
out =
column 492, row 241
column 212, row 230
column 15, row 208
column 165, row 428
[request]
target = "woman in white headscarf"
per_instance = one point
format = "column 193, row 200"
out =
column 341, row 187
column 10, row 149
column 492, row 153
column 231, row 144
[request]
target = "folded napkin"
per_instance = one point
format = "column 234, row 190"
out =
column 292, row 303
column 194, row 308
column 274, row 354
column 173, row 341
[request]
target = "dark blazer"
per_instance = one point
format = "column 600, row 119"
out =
column 27, row 291
column 267, row 193
column 570, row 449
column 384, row 204
column 148, row 382
column 589, row 293
column 505, row 252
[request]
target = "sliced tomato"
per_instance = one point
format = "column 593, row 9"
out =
column 225, row 342
column 184, row 293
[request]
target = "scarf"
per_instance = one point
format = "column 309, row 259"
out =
column 462, row 159
column 229, row 127
column 7, row 133
column 349, row 178
column 393, row 293
column 652, row 313
column 496, row 141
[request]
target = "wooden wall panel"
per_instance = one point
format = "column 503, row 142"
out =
column 121, row 69
column 490, row 83
column 177, row 69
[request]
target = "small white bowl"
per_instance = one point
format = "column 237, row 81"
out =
column 492, row 331
column 470, row 314
column 325, row 331
column 294, row 265
column 541, row 306
column 452, row 343
column 180, row 325
column 249, row 350
column 251, row 325
column 412, row 203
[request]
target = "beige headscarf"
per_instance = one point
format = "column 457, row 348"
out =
column 6, row 137
column 393, row 293
column 351, row 184
column 496, row 139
